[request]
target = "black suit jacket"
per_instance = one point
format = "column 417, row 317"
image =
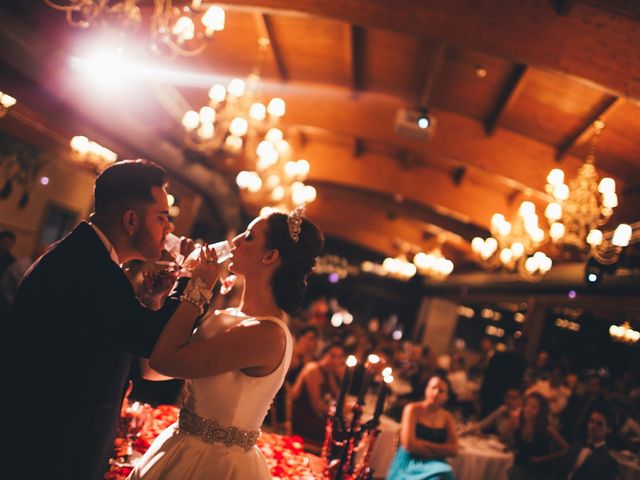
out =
column 73, row 330
column 597, row 466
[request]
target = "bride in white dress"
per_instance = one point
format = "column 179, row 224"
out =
column 237, row 360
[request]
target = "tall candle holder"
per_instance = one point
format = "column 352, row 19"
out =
column 344, row 440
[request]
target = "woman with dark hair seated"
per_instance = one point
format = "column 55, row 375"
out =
column 537, row 445
column 427, row 437
column 317, row 384
column 237, row 359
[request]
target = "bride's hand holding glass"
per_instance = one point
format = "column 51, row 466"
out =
column 207, row 267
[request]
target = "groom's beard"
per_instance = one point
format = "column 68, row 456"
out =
column 149, row 248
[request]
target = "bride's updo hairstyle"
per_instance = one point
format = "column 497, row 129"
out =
column 298, row 242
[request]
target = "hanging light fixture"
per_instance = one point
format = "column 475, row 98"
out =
column 182, row 31
column 624, row 333
column 235, row 119
column 433, row 264
column 84, row 150
column 6, row 102
column 583, row 205
column 236, row 124
column 399, row 267
column 514, row 245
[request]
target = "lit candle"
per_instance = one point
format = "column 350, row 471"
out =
column 372, row 359
column 382, row 395
column 346, row 384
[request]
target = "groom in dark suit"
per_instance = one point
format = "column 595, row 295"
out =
column 75, row 327
column 591, row 460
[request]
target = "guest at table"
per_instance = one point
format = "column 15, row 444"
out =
column 504, row 369
column 304, row 350
column 539, row 370
column 537, row 445
column 464, row 389
column 504, row 420
column 427, row 437
column 555, row 391
column 488, row 351
column 576, row 414
column 591, row 460
column 317, row 384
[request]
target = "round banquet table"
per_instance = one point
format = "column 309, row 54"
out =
column 480, row 458
column 628, row 466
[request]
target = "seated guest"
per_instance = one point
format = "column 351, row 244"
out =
column 304, row 351
column 555, row 391
column 317, row 384
column 537, row 444
column 427, row 436
column 574, row 419
column 591, row 460
column 462, row 385
column 539, row 370
column 504, row 420
column 306, row 343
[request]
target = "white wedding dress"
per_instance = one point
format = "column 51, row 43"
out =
column 232, row 399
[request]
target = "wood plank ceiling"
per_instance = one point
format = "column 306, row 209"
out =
column 514, row 87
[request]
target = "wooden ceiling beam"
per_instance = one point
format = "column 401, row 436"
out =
column 508, row 96
column 354, row 56
column 603, row 111
column 433, row 73
column 469, row 202
column 402, row 207
column 266, row 30
column 590, row 43
column 508, row 158
column 361, row 224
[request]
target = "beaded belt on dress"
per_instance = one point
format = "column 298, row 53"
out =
column 211, row 431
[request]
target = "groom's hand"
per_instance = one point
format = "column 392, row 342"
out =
column 156, row 286
column 187, row 246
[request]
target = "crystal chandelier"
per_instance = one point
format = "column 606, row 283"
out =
column 399, row 267
column 235, row 117
column 236, row 124
column 514, row 245
column 624, row 333
column 433, row 264
column 85, row 151
column 585, row 204
column 182, row 31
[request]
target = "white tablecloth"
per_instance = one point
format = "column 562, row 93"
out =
column 478, row 459
column 628, row 467
column 385, row 447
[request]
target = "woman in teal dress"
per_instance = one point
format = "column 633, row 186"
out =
column 427, row 437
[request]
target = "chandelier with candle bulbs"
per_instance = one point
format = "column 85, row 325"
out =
column 91, row 153
column 624, row 333
column 514, row 245
column 182, row 31
column 433, row 264
column 583, row 205
column 235, row 118
column 236, row 124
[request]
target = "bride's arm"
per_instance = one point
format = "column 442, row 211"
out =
column 258, row 346
column 149, row 373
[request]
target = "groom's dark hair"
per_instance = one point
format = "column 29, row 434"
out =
column 127, row 184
